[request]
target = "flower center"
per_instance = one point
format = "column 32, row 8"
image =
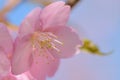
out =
column 43, row 41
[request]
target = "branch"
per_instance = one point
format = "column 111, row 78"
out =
column 72, row 3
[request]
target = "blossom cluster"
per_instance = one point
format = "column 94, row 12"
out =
column 43, row 39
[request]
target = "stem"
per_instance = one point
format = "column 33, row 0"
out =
column 9, row 6
column 12, row 27
column 72, row 3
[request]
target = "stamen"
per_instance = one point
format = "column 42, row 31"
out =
column 54, row 47
column 49, row 54
column 43, row 41
column 58, row 41
column 52, row 35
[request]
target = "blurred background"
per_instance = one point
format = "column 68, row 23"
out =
column 97, row 20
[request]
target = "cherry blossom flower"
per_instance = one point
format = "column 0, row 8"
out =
column 44, row 39
column 6, row 50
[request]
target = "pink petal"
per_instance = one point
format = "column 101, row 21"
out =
column 31, row 22
column 52, row 68
column 5, row 40
column 70, row 40
column 25, row 76
column 9, row 77
column 22, row 58
column 4, row 64
column 29, row 76
column 43, row 67
column 55, row 14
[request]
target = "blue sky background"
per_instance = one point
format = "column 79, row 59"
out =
column 98, row 20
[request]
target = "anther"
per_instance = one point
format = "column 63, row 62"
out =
column 43, row 41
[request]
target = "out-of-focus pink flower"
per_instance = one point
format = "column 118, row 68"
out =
column 43, row 39
column 6, row 50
